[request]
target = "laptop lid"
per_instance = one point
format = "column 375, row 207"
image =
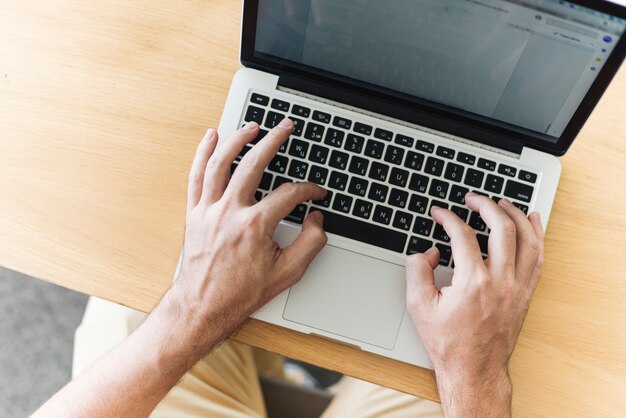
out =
column 507, row 73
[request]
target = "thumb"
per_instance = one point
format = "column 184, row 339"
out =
column 420, row 279
column 295, row 259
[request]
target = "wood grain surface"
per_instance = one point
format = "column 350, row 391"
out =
column 101, row 107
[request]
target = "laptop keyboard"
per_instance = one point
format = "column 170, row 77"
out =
column 381, row 184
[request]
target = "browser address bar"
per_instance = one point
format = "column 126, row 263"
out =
column 572, row 28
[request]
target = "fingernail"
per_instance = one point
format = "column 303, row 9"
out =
column 251, row 125
column 431, row 250
column 537, row 216
column 470, row 194
column 318, row 217
column 286, row 123
column 210, row 133
column 505, row 203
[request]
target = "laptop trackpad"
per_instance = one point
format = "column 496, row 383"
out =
column 350, row 295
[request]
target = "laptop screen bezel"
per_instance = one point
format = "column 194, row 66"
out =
column 445, row 117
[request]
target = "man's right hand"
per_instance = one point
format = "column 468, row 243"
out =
column 469, row 328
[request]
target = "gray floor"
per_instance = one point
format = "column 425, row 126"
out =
column 37, row 323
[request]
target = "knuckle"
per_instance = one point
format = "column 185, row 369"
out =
column 413, row 302
column 414, row 261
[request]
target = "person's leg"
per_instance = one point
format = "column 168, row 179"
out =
column 356, row 398
column 223, row 384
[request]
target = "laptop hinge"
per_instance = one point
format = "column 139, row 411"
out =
column 401, row 110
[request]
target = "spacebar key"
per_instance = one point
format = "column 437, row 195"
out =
column 363, row 231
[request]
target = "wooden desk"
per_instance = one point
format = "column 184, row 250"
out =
column 101, row 107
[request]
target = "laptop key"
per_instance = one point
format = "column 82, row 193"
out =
column 279, row 164
column 325, row 202
column 474, row 178
column 334, row 137
column 297, row 214
column 318, row 175
column 382, row 215
column 457, row 194
column 283, row 147
column 438, row 204
column 418, row 183
column 365, row 232
column 374, row 149
column 301, row 111
column 266, row 181
column 383, row 134
column 518, row 191
column 476, row 222
column 281, row 105
column 521, row 207
column 378, row 192
column 258, row 195
column 418, row 204
column 394, row 155
column 460, row 212
column 260, row 136
column 342, row 123
column 486, row 164
column 403, row 220
column 440, row 234
column 358, row 186
column 423, row 226
column 362, row 209
column 379, row 171
column 404, row 140
column 358, row 165
column 279, row 181
column 342, row 203
column 418, row 245
column 259, row 99
column 354, row 143
column 483, row 243
column 362, row 128
column 507, row 170
column 318, row 154
column 527, row 176
column 466, row 158
column 298, row 169
column 414, row 160
column 398, row 198
column 298, row 148
column 454, row 172
column 273, row 119
column 298, row 126
column 399, row 177
column 438, row 189
column 321, row 117
column 434, row 166
column 445, row 152
column 445, row 254
column 339, row 160
column 338, row 181
column 314, row 132
column 254, row 114
column 425, row 146
column 494, row 183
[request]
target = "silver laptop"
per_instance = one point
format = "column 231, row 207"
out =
column 402, row 105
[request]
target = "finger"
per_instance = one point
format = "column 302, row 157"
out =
column 527, row 250
column 420, row 280
column 246, row 179
column 501, row 244
column 295, row 259
column 465, row 248
column 280, row 202
column 535, row 220
column 198, row 167
column 218, row 167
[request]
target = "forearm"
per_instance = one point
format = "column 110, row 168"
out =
column 133, row 378
column 477, row 396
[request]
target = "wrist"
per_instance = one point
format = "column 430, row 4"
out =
column 465, row 393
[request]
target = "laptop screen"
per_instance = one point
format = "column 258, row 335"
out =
column 523, row 65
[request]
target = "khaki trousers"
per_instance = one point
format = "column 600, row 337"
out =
column 225, row 383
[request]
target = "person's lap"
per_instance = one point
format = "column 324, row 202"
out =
column 225, row 383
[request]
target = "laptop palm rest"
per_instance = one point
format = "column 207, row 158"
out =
column 350, row 295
